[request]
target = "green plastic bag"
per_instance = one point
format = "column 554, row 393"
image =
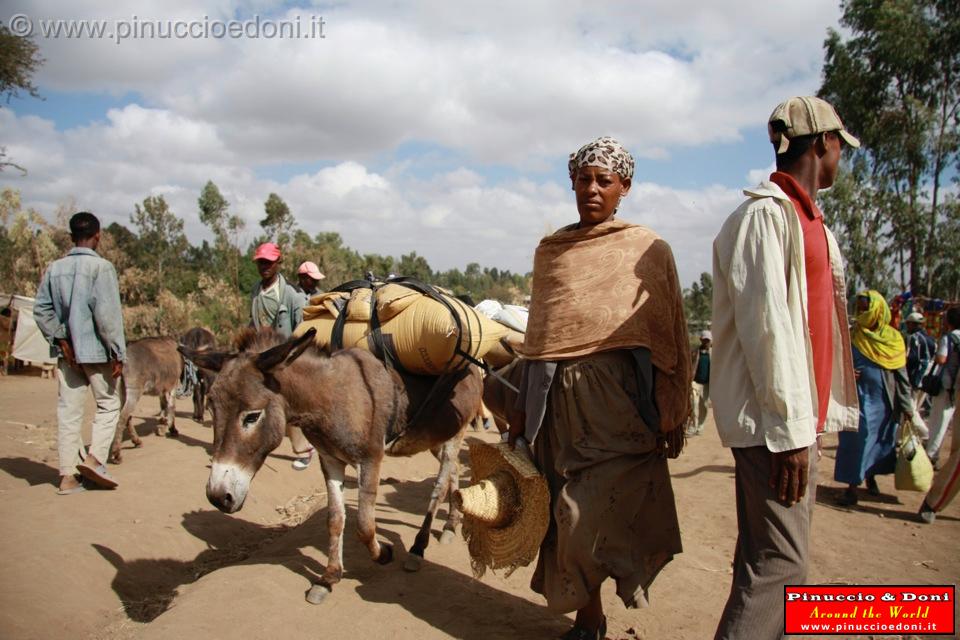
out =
column 914, row 471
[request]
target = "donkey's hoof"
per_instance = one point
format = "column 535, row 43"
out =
column 386, row 553
column 318, row 593
column 172, row 432
column 413, row 563
column 137, row 443
column 447, row 536
column 115, row 458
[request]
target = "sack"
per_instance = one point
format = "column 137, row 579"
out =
column 418, row 330
column 932, row 383
column 914, row 472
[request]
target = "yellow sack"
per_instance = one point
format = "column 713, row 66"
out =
column 419, row 330
column 914, row 472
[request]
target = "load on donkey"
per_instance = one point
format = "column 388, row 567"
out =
column 362, row 396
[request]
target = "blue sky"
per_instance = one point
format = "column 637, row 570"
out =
column 441, row 128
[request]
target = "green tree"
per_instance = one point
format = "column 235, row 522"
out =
column 279, row 222
column 27, row 245
column 698, row 302
column 226, row 228
column 162, row 242
column 214, row 211
column 856, row 214
column 19, row 60
column 895, row 82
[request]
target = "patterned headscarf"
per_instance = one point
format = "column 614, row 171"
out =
column 873, row 335
column 603, row 152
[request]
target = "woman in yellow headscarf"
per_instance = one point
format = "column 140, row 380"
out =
column 880, row 359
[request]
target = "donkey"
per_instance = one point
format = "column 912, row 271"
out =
column 197, row 339
column 153, row 366
column 349, row 406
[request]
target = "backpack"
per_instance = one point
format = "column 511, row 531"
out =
column 932, row 382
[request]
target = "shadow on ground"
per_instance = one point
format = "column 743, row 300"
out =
column 30, row 470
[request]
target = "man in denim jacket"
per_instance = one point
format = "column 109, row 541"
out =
column 78, row 311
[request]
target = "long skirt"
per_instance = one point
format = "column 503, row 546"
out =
column 613, row 511
column 871, row 450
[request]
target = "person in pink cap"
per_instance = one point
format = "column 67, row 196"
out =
column 276, row 303
column 309, row 277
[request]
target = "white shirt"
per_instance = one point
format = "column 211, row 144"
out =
column 763, row 388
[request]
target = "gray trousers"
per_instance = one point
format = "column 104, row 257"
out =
column 74, row 385
column 772, row 549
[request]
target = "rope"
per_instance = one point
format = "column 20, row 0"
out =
column 189, row 378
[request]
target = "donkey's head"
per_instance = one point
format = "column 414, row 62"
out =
column 249, row 411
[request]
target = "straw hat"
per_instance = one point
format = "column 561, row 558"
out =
column 507, row 509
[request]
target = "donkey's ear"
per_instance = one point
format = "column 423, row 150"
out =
column 206, row 359
column 275, row 359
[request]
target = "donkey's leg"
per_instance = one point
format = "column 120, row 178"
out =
column 369, row 482
column 451, row 455
column 171, row 396
column 334, row 472
column 125, row 421
column 440, row 488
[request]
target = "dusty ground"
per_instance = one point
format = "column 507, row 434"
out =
column 154, row 560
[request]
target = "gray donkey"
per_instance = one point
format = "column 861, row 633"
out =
column 350, row 406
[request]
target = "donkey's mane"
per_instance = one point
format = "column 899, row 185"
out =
column 251, row 339
column 259, row 340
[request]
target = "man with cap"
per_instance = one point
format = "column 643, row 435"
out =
column 275, row 303
column 920, row 350
column 309, row 277
column 700, row 387
column 782, row 343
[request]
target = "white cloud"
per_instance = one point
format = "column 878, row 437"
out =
column 508, row 86
column 505, row 83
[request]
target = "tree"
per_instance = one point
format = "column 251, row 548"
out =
column 19, row 60
column 161, row 239
column 855, row 213
column 26, row 245
column 279, row 222
column 415, row 266
column 698, row 302
column 895, row 82
column 213, row 211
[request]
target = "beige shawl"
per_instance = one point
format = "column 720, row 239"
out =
column 612, row 286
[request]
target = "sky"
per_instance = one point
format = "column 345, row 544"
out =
column 430, row 126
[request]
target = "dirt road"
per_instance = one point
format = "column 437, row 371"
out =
column 154, row 560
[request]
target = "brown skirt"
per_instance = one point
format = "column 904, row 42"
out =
column 613, row 511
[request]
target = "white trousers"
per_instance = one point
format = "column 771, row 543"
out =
column 74, row 384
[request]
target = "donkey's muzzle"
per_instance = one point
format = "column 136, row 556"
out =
column 227, row 486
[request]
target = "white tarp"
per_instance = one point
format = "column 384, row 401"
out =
column 506, row 314
column 29, row 344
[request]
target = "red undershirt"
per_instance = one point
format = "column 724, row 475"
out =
column 820, row 301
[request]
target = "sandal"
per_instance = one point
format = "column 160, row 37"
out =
column 303, row 461
column 98, row 475
column 848, row 498
column 79, row 488
column 580, row 633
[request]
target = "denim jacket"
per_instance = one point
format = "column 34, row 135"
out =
column 290, row 313
column 79, row 300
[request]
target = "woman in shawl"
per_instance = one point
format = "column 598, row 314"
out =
column 604, row 390
column 879, row 359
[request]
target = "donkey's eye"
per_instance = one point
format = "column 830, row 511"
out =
column 251, row 418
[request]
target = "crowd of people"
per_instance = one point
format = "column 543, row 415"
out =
column 610, row 387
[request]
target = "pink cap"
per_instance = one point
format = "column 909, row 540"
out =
column 267, row 251
column 311, row 270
